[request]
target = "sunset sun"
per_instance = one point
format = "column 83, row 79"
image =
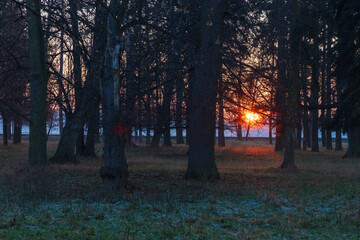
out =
column 250, row 116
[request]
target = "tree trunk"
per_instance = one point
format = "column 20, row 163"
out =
column 270, row 130
column 38, row 86
column 167, row 114
column 280, row 132
column 314, row 104
column 328, row 93
column 280, row 101
column 5, row 129
column 114, row 172
column 9, row 133
column 353, row 141
column 298, row 135
column 293, row 91
column 65, row 151
column 201, row 162
column 158, row 129
column 239, row 132
column 93, row 131
column 179, row 108
column 17, row 132
column 221, row 128
column 338, row 143
column 80, row 146
column 305, row 120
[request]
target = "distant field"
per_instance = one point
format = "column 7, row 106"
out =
column 252, row 200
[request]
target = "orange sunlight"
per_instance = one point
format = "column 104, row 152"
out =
column 251, row 117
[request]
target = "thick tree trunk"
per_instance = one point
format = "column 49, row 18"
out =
column 201, row 162
column 38, row 86
column 293, row 91
column 114, row 172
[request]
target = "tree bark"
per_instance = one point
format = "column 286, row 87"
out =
column 114, row 172
column 201, row 161
column 38, row 86
column 293, row 91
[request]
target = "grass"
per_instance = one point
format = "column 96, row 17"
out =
column 252, row 200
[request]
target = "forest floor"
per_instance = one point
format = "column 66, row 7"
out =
column 252, row 200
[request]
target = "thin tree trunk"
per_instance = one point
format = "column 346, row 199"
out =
column 270, row 130
column 298, row 135
column 201, row 162
column 328, row 93
column 5, row 129
column 314, row 111
column 167, row 114
column 179, row 109
column 239, row 132
column 38, row 86
column 9, row 132
column 221, row 128
column 17, row 132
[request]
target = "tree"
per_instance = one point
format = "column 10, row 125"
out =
column 348, row 71
column 38, row 86
column 114, row 172
column 293, row 89
column 201, row 161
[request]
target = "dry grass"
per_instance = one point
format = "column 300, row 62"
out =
column 253, row 199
